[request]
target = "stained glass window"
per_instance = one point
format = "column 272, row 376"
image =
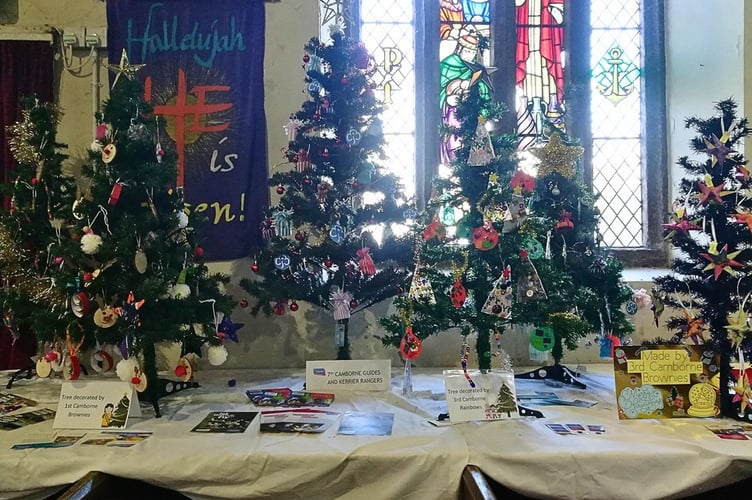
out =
column 405, row 35
column 463, row 25
column 539, row 67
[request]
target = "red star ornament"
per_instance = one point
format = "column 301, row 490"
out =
column 709, row 192
column 682, row 225
column 720, row 260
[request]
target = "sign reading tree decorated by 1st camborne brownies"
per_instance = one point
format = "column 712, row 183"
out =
column 203, row 74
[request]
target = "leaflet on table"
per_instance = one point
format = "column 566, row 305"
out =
column 667, row 381
column 18, row 420
column 551, row 399
column 361, row 375
column 366, row 423
column 287, row 397
column 119, row 439
column 11, row 402
column 480, row 396
column 227, row 422
column 305, row 420
column 96, row 404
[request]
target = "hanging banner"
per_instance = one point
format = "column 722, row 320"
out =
column 204, row 75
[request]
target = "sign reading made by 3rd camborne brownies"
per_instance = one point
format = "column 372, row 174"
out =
column 667, row 381
column 204, row 75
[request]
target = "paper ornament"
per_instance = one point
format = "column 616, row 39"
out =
column 499, row 301
column 435, row 230
column 420, row 288
column 282, row 262
column 183, row 369
column 337, row 233
column 105, row 316
column 516, row 214
column 411, row 346
column 283, row 222
column 720, row 260
column 101, row 360
column 291, row 128
column 458, row 294
column 108, row 153
column 365, row 262
column 522, row 182
column 340, row 300
column 481, row 150
column 542, row 338
column 129, row 310
column 485, row 237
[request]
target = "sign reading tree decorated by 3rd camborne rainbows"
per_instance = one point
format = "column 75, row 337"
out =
column 667, row 381
column 204, row 75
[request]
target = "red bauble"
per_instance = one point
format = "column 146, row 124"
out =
column 316, row 115
column 293, row 306
column 243, row 303
column 306, row 58
column 34, row 181
column 280, row 189
column 353, row 304
column 135, row 380
column 198, row 252
column 255, row 267
column 328, row 262
column 306, row 180
column 299, row 236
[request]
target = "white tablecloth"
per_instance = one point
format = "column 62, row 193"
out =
column 634, row 459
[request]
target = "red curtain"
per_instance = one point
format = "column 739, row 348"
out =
column 26, row 69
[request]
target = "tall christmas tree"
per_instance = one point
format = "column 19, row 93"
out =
column 40, row 198
column 330, row 240
column 502, row 247
column 710, row 230
column 124, row 260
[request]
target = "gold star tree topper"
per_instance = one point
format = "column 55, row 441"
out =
column 124, row 68
column 557, row 157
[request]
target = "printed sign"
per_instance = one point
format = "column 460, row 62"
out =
column 492, row 397
column 363, row 375
column 667, row 381
column 96, row 405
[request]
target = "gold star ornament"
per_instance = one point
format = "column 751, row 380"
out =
column 124, row 68
column 557, row 157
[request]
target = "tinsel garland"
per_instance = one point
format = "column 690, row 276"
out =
column 39, row 290
column 20, row 142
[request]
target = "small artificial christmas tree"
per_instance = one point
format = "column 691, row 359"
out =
column 330, row 241
column 127, row 245
column 40, row 199
column 505, row 401
column 710, row 230
column 522, row 250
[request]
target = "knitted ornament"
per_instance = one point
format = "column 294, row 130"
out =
column 217, row 354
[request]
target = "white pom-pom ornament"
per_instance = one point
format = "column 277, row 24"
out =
column 182, row 219
column 96, row 147
column 217, row 354
column 127, row 368
column 180, row 291
column 90, row 243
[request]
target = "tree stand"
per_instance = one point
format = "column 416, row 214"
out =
column 157, row 387
column 556, row 371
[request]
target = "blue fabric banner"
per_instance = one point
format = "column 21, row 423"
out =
column 204, row 75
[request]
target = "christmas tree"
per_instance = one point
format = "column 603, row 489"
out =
column 333, row 240
column 505, row 401
column 124, row 260
column 39, row 199
column 501, row 247
column 710, row 229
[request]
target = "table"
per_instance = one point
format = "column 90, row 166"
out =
column 633, row 459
